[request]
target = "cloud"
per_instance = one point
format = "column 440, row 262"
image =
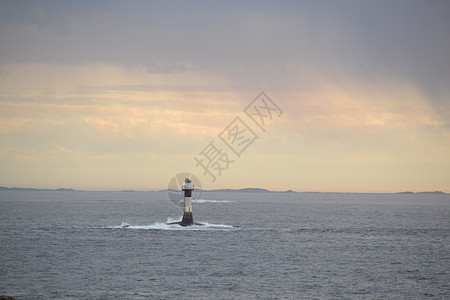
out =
column 166, row 68
column 97, row 82
column 253, row 44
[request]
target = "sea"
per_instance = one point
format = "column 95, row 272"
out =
column 253, row 245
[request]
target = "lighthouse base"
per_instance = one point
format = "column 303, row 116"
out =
column 188, row 220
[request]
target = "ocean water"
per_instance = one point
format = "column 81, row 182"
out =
column 73, row 245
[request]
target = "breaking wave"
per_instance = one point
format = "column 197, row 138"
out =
column 165, row 226
column 211, row 201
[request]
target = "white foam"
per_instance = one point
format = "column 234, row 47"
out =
column 211, row 201
column 172, row 220
column 124, row 225
column 165, row 226
column 207, row 224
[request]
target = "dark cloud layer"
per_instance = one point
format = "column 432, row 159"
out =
column 250, row 42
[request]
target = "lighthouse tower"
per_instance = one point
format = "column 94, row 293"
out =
column 187, row 188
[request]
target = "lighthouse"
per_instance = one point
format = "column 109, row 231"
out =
column 187, row 189
column 186, row 201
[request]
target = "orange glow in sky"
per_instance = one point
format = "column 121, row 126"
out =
column 124, row 97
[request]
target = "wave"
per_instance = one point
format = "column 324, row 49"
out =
column 165, row 226
column 211, row 201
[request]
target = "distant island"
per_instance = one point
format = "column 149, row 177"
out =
column 243, row 190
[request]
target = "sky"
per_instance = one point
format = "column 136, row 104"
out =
column 112, row 95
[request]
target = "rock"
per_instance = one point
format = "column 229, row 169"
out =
column 7, row 298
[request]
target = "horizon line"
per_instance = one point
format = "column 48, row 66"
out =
column 247, row 189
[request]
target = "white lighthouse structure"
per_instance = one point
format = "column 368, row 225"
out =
column 187, row 189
